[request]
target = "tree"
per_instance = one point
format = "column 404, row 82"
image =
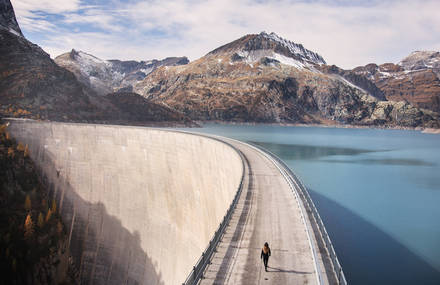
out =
column 54, row 206
column 59, row 227
column 26, row 151
column 28, row 227
column 48, row 215
column 27, row 203
column 20, row 147
column 11, row 152
column 40, row 220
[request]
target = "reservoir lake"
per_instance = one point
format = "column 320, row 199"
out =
column 377, row 191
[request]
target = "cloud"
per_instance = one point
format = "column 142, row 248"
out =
column 345, row 33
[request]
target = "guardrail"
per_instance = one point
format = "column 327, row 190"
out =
column 310, row 206
column 197, row 272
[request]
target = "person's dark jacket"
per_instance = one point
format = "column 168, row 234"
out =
column 265, row 254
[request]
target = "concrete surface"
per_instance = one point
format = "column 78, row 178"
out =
column 140, row 205
column 267, row 211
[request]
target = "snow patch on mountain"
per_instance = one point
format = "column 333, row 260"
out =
column 296, row 49
column 253, row 56
column 420, row 60
column 289, row 61
column 107, row 76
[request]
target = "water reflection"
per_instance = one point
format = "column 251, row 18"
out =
column 306, row 152
column 382, row 161
column 368, row 254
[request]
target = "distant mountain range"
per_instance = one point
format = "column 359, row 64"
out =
column 32, row 85
column 107, row 76
column 257, row 78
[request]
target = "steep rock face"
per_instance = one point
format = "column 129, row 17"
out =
column 7, row 18
column 357, row 79
column 416, row 79
column 253, row 79
column 108, row 76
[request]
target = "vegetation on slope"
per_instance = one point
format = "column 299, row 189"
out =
column 33, row 240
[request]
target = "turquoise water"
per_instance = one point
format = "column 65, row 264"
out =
column 378, row 192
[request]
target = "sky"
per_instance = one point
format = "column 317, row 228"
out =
column 346, row 33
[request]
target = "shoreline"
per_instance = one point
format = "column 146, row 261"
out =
column 200, row 124
column 336, row 126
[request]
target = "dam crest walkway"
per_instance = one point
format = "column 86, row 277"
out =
column 268, row 211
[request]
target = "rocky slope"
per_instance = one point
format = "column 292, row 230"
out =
column 32, row 85
column 8, row 21
column 108, row 76
column 415, row 79
column 136, row 110
column 264, row 78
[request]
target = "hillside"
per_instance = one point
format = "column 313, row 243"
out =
column 415, row 79
column 264, row 78
column 33, row 238
column 108, row 76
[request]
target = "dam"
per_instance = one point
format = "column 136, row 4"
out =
column 141, row 205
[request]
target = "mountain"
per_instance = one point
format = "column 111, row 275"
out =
column 415, row 79
column 32, row 85
column 265, row 78
column 137, row 110
column 108, row 76
column 7, row 18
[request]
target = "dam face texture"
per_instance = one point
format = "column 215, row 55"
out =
column 140, row 205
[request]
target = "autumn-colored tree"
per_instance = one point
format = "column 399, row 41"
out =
column 28, row 227
column 59, row 228
column 27, row 203
column 20, row 147
column 11, row 152
column 40, row 220
column 44, row 204
column 3, row 128
column 48, row 215
column 8, row 136
column 26, row 151
column 54, row 206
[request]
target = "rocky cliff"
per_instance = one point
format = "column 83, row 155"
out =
column 264, row 78
column 108, row 76
column 415, row 79
column 7, row 18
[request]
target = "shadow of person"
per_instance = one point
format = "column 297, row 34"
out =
column 275, row 269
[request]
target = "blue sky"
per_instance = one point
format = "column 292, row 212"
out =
column 345, row 33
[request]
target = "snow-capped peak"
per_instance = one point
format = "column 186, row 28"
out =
column 421, row 60
column 294, row 49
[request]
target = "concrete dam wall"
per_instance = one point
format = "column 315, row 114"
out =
column 140, row 205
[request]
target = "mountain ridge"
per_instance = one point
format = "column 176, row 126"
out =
column 244, row 82
column 414, row 79
column 108, row 76
column 265, row 41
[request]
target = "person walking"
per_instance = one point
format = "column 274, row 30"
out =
column 265, row 253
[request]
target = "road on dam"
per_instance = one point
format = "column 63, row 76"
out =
column 266, row 212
